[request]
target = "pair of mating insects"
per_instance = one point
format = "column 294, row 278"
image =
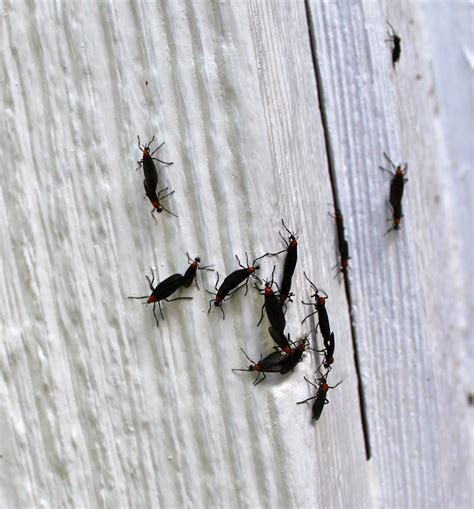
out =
column 150, row 181
column 397, row 185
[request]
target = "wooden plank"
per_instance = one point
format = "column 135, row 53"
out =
column 398, row 280
column 102, row 407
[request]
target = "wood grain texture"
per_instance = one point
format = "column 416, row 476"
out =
column 411, row 345
column 103, row 407
column 100, row 408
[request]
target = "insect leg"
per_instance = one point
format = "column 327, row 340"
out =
column 284, row 240
column 305, row 400
column 169, row 211
column 162, row 162
column 310, row 282
column 238, row 261
column 152, row 280
column 289, row 232
column 261, row 318
column 154, row 314
column 391, row 27
column 390, row 161
column 161, row 311
column 166, row 195
column 309, row 381
column 243, row 351
column 157, row 148
column 311, row 314
column 246, row 286
column 263, row 376
column 387, row 171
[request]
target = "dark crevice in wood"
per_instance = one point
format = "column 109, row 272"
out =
column 333, row 179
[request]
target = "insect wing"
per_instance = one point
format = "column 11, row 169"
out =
column 151, row 194
column 168, row 286
column 324, row 322
column 272, row 362
column 330, row 346
column 189, row 276
column 290, row 262
column 232, row 280
column 275, row 314
column 291, row 360
column 279, row 338
column 150, row 173
column 318, row 405
column 396, row 191
column 344, row 250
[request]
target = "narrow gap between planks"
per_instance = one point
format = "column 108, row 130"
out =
column 333, row 180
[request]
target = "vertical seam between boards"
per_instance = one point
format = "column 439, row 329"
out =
column 333, row 181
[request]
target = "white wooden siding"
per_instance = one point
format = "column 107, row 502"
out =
column 100, row 408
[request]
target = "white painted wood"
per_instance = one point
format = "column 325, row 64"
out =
column 450, row 46
column 102, row 408
column 410, row 338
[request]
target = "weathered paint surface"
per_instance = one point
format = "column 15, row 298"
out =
column 102, row 408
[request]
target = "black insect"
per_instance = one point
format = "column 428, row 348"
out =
column 156, row 198
column 273, row 306
column 233, row 280
column 320, row 306
column 320, row 397
column 397, row 185
column 295, row 356
column 342, row 243
column 394, row 38
column 329, row 345
column 190, row 274
column 280, row 339
column 328, row 351
column 151, row 177
column 147, row 159
column 269, row 364
column 344, row 252
column 289, row 265
column 162, row 291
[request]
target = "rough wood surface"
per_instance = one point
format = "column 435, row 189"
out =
column 411, row 346
column 102, row 408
